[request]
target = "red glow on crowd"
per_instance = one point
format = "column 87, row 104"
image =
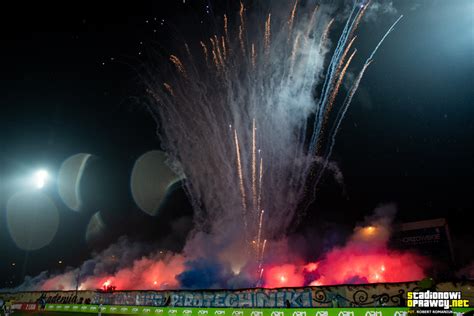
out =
column 107, row 286
column 365, row 258
column 286, row 275
column 311, row 267
column 348, row 266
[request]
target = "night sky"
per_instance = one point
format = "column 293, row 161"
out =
column 71, row 82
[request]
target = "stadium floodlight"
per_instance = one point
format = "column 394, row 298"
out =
column 39, row 178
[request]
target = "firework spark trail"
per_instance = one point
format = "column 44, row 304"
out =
column 254, row 57
column 383, row 38
column 324, row 36
column 311, row 22
column 260, row 180
column 179, row 65
column 254, row 166
column 262, row 253
column 168, row 88
column 204, row 50
column 293, row 52
column 348, row 100
column 241, row 178
column 259, row 281
column 329, row 78
column 226, row 28
column 224, row 48
column 259, row 234
column 215, row 56
column 267, row 33
column 242, row 28
column 332, row 72
column 359, row 17
column 292, row 19
column 219, row 53
column 338, row 85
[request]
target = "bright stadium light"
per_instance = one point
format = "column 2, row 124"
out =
column 39, row 179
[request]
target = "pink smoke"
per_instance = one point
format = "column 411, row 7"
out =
column 364, row 258
column 145, row 273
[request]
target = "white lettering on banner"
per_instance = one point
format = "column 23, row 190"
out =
column 17, row 306
column 67, row 307
column 113, row 309
column 32, row 307
column 299, row 313
column 146, row 310
column 124, row 309
column 158, row 311
column 219, row 313
column 238, row 313
column 346, row 313
column 187, row 312
column 59, row 307
column 82, row 307
column 322, row 313
column 174, row 299
column 400, row 313
column 422, row 239
column 278, row 313
column 188, row 300
column 93, row 308
column 373, row 313
column 202, row 312
column 256, row 313
column 134, row 310
column 75, row 307
column 172, row 311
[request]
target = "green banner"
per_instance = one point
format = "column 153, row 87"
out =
column 183, row 311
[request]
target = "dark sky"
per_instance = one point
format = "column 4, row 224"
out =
column 70, row 83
